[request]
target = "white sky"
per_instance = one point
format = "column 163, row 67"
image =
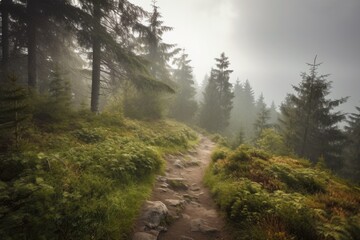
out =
column 269, row 41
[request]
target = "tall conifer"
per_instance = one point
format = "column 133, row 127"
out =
column 184, row 105
column 309, row 123
column 218, row 96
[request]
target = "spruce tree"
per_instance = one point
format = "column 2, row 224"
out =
column 248, row 109
column 158, row 54
column 210, row 108
column 309, row 123
column 353, row 147
column 5, row 37
column 184, row 105
column 12, row 109
column 274, row 115
column 236, row 118
column 263, row 116
column 218, row 95
column 60, row 90
column 201, row 89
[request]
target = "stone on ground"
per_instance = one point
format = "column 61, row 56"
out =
column 177, row 183
column 155, row 214
column 144, row 236
column 199, row 225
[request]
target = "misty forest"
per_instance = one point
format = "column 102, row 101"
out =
column 107, row 132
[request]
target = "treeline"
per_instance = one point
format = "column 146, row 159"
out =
column 99, row 46
column 96, row 53
column 59, row 56
column 307, row 126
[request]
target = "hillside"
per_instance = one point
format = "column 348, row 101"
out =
column 267, row 197
column 85, row 177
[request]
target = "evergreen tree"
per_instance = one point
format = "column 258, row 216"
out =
column 353, row 146
column 236, row 119
column 202, row 87
column 158, row 52
column 12, row 110
column 158, row 55
column 210, row 108
column 248, row 110
column 272, row 141
column 260, row 104
column 310, row 126
column 184, row 105
column 60, row 90
column 239, row 139
column 218, row 95
column 274, row 115
column 40, row 27
column 263, row 116
column 5, row 37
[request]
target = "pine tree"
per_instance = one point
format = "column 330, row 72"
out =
column 218, row 95
column 201, row 89
column 274, row 115
column 210, row 108
column 12, row 108
column 236, row 118
column 248, row 109
column 5, row 37
column 158, row 54
column 353, row 146
column 184, row 105
column 60, row 90
column 263, row 116
column 310, row 126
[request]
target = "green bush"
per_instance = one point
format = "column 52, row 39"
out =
column 271, row 141
column 86, row 180
column 306, row 181
column 281, row 198
column 88, row 136
column 219, row 153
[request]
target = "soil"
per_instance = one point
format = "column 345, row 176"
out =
column 197, row 203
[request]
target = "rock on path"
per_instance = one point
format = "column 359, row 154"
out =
column 181, row 208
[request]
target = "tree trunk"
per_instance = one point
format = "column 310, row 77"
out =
column 95, row 87
column 31, row 31
column 5, row 38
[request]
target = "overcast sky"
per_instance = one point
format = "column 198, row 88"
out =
column 269, row 41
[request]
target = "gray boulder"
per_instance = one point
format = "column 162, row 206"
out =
column 155, row 214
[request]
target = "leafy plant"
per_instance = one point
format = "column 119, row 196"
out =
column 281, row 198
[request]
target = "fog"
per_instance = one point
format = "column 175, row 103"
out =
column 269, row 42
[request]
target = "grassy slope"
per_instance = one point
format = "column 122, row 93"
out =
column 268, row 197
column 85, row 178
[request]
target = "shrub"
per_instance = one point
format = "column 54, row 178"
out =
column 282, row 198
column 219, row 153
column 60, row 188
column 271, row 141
column 306, row 181
column 88, row 136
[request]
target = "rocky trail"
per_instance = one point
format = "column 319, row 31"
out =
column 181, row 208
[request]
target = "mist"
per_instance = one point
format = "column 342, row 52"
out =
column 269, row 42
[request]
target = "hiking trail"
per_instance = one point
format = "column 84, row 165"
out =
column 181, row 207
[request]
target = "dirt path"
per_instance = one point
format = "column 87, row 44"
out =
column 181, row 208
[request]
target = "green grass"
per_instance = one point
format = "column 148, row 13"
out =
column 268, row 197
column 85, row 177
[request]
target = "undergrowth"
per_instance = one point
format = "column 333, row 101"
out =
column 85, row 177
column 268, row 197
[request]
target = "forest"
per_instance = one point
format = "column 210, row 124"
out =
column 94, row 102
